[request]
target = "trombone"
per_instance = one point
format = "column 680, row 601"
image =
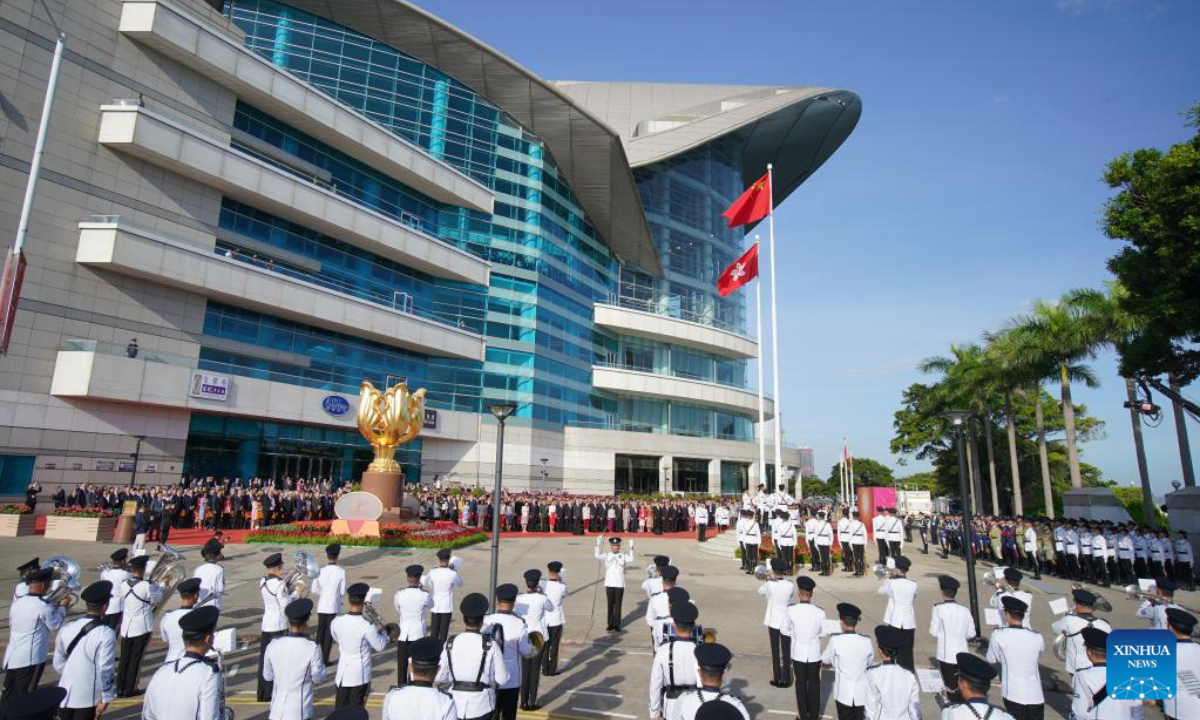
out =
column 1133, row 592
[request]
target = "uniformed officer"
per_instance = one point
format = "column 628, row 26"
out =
column 614, row 577
column 900, row 613
column 892, row 691
column 751, row 540
column 513, row 635
column 849, row 654
column 1156, row 611
column 975, row 676
column 84, row 657
column 117, row 575
column 356, row 638
column 1013, row 577
column 712, row 660
column 895, row 536
column 778, row 592
column 739, row 527
column 30, row 621
column 191, row 686
column 1072, row 625
column 804, row 625
column 1091, row 700
column 784, row 537
column 658, row 609
column 1183, row 561
column 412, row 603
column 440, row 582
column 823, row 539
column 556, row 591
column 879, row 532
column 701, row 518
column 858, row 543
column 211, row 575
column 168, row 628
column 419, row 699
column 1017, row 649
column 293, row 665
column 673, row 670
column 473, row 663
column 37, row 705
column 1187, row 659
column 653, row 582
column 843, row 533
column 22, row 588
column 329, row 585
column 275, row 598
column 953, row 626
column 533, row 607
column 140, row 597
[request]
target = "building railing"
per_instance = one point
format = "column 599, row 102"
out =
column 673, row 306
column 744, row 385
column 658, row 429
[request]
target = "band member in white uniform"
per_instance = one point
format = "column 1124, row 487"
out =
column 804, row 625
column 513, row 635
column 614, row 577
column 85, row 658
column 1017, row 649
column 653, row 582
column 211, row 575
column 778, row 592
column 117, row 575
column 953, row 626
column 1013, row 577
column 849, row 654
column 1183, row 561
column 1156, row 612
column 329, row 585
column 22, row 588
column 440, row 582
column 892, row 691
column 30, row 622
column 137, row 625
column 1187, row 659
column 473, row 663
column 419, row 699
column 190, row 686
column 975, row 676
column 858, row 543
column 1072, row 625
column 275, row 599
column 293, row 666
column 556, row 591
column 673, row 670
column 356, row 639
column 412, row 603
column 712, row 660
column 532, row 606
column 1091, row 699
column 900, row 613
column 168, row 628
column 894, row 531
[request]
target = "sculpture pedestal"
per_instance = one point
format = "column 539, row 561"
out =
column 1094, row 503
column 355, row 528
column 1183, row 513
column 387, row 486
column 124, row 531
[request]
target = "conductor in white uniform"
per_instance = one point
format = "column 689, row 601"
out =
column 356, row 639
column 614, row 577
column 419, row 699
column 85, row 658
column 293, row 665
column 412, row 603
column 190, row 686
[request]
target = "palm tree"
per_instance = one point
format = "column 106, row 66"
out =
column 1009, row 379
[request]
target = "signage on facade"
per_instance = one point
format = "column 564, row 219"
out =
column 150, row 468
column 335, row 405
column 77, row 466
column 431, row 419
column 125, row 466
column 209, row 387
column 104, row 465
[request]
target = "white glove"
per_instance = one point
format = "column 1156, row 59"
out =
column 599, row 539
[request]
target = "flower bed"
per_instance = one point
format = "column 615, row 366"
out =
column 416, row 535
column 15, row 510
column 81, row 512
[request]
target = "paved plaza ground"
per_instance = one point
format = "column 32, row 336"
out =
column 604, row 675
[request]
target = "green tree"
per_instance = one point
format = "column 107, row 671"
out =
column 920, row 481
column 867, row 473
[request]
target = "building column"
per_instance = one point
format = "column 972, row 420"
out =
column 665, row 468
column 714, row 476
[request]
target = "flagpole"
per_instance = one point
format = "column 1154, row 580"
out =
column 774, row 331
column 762, row 383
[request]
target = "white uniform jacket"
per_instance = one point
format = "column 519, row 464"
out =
column 212, row 584
column 295, row 665
column 275, row 598
column 20, row 591
column 953, row 626
column 752, row 534
column 614, row 566
column 140, row 598
column 804, row 623
column 649, row 586
column 440, row 582
column 778, row 593
column 556, row 592
column 412, row 603
column 849, row 654
column 30, row 621
column 1087, row 683
column 189, row 687
column 823, row 533
column 900, row 613
column 330, row 584
column 169, row 632
column 671, row 673
column 356, row 640
column 892, row 693
column 1018, row 649
column 418, row 700
column 691, row 700
column 974, row 710
column 997, row 602
column 1155, row 613
column 88, row 674
column 533, row 607
column 116, row 599
column 1072, row 625
column 516, row 644
column 467, row 659
column 858, row 532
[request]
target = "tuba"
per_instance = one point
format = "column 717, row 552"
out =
column 762, row 571
column 167, row 573
column 1060, row 646
column 65, row 580
column 304, row 570
column 371, row 615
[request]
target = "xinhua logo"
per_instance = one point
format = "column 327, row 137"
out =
column 1141, row 665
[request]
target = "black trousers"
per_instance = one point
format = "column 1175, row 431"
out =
column 894, row 548
column 745, row 555
column 439, row 625
column 700, row 530
column 550, row 654
column 18, row 681
column 751, row 556
column 1183, row 575
column 402, row 662
column 787, row 553
column 506, row 704
column 781, row 652
column 265, row 687
column 825, row 562
column 882, row 546
column 114, row 621
column 87, row 713
column 347, row 696
column 324, row 637
column 808, row 689
column 949, row 675
column 847, row 557
column 614, row 595
column 1025, row 712
column 904, row 658
column 850, row 712
column 531, row 673
column 860, row 559
column 129, row 665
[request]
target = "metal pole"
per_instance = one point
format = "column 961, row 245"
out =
column 968, row 530
column 1135, row 416
column 39, row 147
column 137, row 451
column 1185, row 450
column 775, row 336
column 762, row 381
column 496, row 513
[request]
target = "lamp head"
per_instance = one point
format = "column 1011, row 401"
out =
column 502, row 411
column 957, row 418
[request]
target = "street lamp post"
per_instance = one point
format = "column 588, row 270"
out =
column 501, row 411
column 959, row 420
column 137, row 451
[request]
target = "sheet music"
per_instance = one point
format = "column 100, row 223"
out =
column 830, row 627
column 1058, row 605
column 1146, row 584
column 1188, row 680
column 991, row 616
column 225, row 640
column 930, row 680
column 374, row 595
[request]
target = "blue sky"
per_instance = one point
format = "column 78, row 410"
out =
column 970, row 187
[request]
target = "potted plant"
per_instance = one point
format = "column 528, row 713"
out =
column 80, row 523
column 17, row 521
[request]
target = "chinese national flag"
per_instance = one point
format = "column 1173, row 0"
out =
column 742, row 271
column 753, row 205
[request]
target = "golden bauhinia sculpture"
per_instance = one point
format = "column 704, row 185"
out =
column 388, row 420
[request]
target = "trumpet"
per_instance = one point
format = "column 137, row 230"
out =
column 371, row 615
column 883, row 572
column 304, row 570
column 104, row 566
column 65, row 580
column 1133, row 592
column 993, row 578
column 1102, row 605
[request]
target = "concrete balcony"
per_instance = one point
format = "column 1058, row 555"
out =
column 218, row 53
column 653, row 326
column 121, row 248
column 665, row 387
column 207, row 157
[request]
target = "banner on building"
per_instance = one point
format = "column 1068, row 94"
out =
column 206, row 386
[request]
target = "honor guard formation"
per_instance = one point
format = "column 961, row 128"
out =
column 492, row 666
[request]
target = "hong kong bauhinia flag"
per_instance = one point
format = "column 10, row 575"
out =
column 742, row 271
column 753, row 205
